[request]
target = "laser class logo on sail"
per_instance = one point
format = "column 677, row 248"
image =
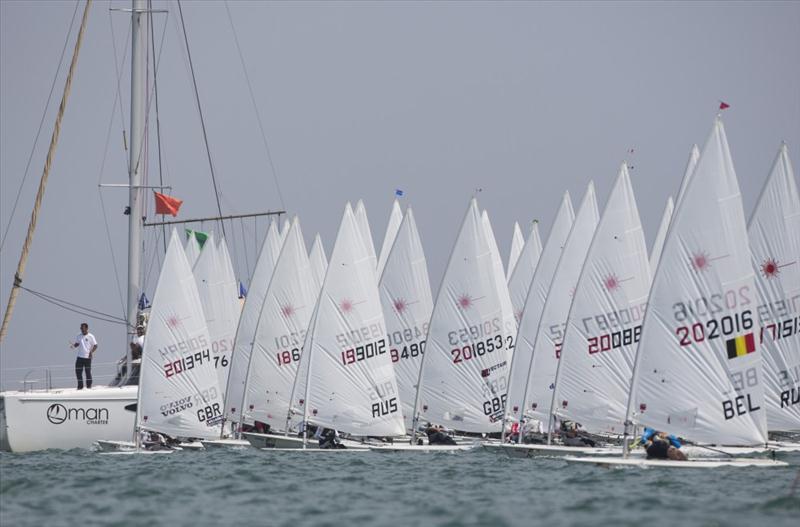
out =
column 58, row 414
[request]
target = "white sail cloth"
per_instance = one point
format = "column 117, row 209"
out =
column 407, row 306
column 604, row 325
column 528, row 308
column 319, row 262
column 395, row 219
column 698, row 372
column 351, row 385
column 517, row 243
column 245, row 332
column 524, row 270
column 774, row 232
column 179, row 392
column 549, row 336
column 470, row 343
column 366, row 233
column 280, row 332
column 220, row 304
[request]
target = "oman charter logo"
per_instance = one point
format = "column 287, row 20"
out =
column 59, row 414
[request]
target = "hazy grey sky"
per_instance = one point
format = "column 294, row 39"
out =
column 525, row 100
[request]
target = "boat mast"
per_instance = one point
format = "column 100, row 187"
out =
column 137, row 163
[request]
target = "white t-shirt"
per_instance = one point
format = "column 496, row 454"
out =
column 85, row 345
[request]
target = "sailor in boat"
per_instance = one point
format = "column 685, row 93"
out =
column 87, row 345
column 258, row 427
column 437, row 436
column 329, row 438
column 136, row 345
column 659, row 445
column 158, row 441
column 572, row 435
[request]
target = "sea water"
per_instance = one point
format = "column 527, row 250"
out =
column 253, row 487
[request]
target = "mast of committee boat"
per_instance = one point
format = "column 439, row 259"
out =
column 137, row 162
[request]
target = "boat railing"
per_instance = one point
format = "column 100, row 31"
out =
column 29, row 384
column 54, row 376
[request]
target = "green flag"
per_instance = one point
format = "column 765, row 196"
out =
column 200, row 236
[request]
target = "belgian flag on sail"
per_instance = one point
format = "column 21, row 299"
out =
column 740, row 346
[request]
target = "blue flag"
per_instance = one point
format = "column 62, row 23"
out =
column 144, row 303
column 242, row 290
column 398, row 192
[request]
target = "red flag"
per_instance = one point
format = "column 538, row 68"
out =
column 167, row 204
column 723, row 105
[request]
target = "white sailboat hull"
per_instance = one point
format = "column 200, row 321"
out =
column 668, row 463
column 424, row 448
column 65, row 418
column 280, row 442
column 533, row 450
column 225, row 443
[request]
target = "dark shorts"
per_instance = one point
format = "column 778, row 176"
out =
column 658, row 450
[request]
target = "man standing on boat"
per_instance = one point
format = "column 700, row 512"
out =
column 87, row 345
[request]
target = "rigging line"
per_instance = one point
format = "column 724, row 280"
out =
column 118, row 78
column 152, row 259
column 108, row 229
column 117, row 99
column 255, row 107
column 69, row 306
column 158, row 123
column 41, row 125
column 37, row 204
column 200, row 111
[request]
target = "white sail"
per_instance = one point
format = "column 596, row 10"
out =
column 496, row 258
column 248, row 320
column 517, row 243
column 528, row 261
column 604, row 325
column 661, row 235
column 545, row 344
column 366, row 233
column 192, row 248
column 285, row 228
column 698, row 371
column 233, row 284
column 774, row 231
column 528, row 309
column 319, row 262
column 220, row 305
column 351, row 385
column 691, row 164
column 395, row 219
column 280, row 333
column 179, row 392
column 407, row 306
column 471, row 337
